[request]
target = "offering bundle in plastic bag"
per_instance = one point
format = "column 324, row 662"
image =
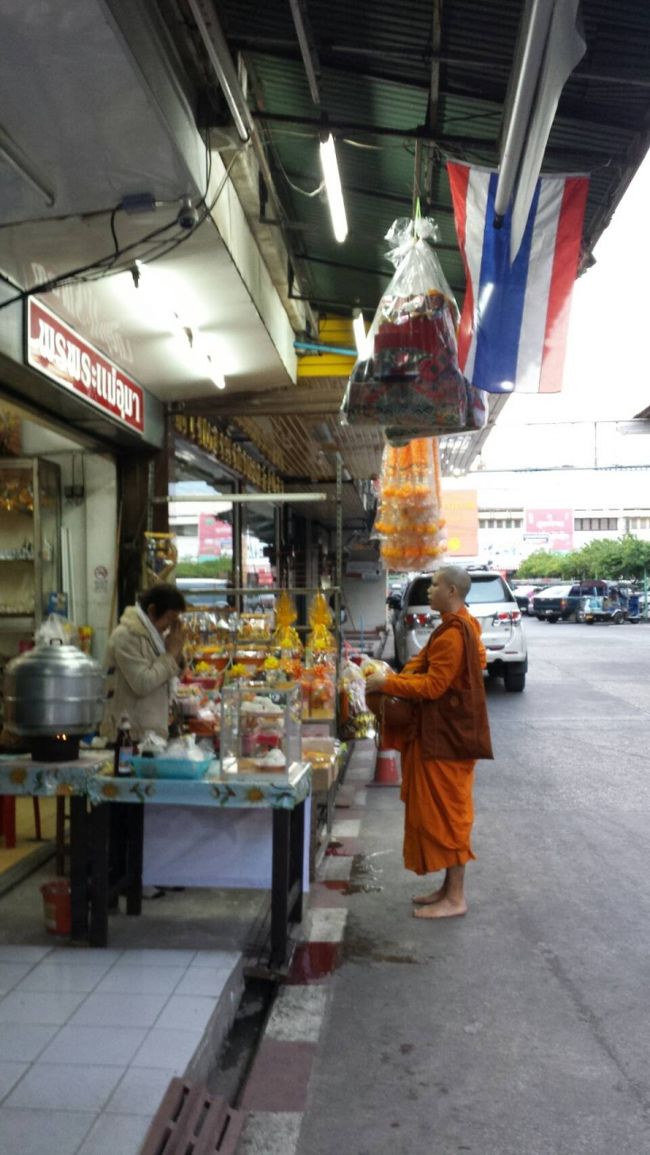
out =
column 410, row 381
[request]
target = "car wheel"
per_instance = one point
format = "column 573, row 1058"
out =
column 514, row 680
column 552, row 618
column 540, row 617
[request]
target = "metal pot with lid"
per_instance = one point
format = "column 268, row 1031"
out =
column 53, row 694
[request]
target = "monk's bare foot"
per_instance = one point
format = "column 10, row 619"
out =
column 429, row 899
column 445, row 908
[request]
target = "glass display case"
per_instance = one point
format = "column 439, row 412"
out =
column 260, row 727
column 30, row 540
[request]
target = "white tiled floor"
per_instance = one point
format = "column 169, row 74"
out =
column 90, row 1039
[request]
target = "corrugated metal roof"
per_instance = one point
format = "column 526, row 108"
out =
column 375, row 65
column 375, row 74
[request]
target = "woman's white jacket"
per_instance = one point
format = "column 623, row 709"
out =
column 138, row 680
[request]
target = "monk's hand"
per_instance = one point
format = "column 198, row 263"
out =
column 375, row 684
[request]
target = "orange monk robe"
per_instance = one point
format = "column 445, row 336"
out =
column 437, row 794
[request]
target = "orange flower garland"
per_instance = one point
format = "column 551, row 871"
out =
column 409, row 520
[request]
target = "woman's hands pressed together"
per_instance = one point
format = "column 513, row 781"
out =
column 175, row 640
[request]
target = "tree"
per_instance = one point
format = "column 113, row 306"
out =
column 216, row 567
column 625, row 558
column 541, row 564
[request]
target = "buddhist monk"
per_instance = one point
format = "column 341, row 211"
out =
column 438, row 793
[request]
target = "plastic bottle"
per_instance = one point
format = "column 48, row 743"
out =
column 124, row 748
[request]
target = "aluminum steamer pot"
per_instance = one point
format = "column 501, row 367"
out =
column 53, row 689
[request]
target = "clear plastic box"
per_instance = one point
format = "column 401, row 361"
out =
column 260, row 727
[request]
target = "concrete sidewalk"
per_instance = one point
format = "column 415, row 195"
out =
column 518, row 1030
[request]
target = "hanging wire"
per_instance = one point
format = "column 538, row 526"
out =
column 108, row 266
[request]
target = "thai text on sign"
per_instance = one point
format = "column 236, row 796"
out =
column 62, row 355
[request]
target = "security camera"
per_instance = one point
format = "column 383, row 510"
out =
column 188, row 216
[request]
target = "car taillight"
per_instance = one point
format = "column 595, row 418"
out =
column 509, row 616
column 563, row 603
column 412, row 621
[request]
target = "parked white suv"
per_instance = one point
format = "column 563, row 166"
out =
column 491, row 601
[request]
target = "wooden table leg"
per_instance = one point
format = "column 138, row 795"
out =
column 134, row 848
column 280, row 886
column 79, row 826
column 99, row 823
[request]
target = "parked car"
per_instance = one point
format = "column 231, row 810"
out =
column 565, row 602
column 524, row 597
column 554, row 603
column 491, row 601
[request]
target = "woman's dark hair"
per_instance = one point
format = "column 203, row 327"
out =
column 162, row 597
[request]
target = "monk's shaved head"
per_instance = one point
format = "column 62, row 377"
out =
column 453, row 575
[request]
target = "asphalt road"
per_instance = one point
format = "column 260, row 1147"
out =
column 523, row 1029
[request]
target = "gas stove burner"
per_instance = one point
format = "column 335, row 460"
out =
column 54, row 747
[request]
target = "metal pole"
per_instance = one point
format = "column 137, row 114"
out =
column 243, row 498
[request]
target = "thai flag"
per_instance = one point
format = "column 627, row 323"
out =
column 515, row 315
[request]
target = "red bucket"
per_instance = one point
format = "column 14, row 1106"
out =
column 56, row 906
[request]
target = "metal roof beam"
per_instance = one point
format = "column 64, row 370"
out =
column 488, row 64
column 448, row 142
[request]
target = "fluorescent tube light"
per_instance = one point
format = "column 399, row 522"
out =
column 333, row 188
column 360, row 337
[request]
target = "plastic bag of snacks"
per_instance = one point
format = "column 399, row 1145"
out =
column 411, row 380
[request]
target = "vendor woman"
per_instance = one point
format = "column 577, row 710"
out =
column 144, row 657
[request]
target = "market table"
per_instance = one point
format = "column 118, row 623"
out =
column 93, row 793
column 20, row 776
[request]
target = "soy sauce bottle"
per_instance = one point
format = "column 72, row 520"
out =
column 125, row 748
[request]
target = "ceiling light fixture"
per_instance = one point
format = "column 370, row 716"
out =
column 157, row 305
column 333, row 188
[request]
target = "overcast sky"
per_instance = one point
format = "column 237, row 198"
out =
column 607, row 369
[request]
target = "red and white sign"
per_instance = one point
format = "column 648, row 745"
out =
column 555, row 525
column 61, row 354
column 213, row 535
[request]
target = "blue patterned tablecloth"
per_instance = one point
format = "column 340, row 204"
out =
column 21, row 776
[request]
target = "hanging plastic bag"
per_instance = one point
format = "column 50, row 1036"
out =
column 477, row 408
column 410, row 379
column 56, row 630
